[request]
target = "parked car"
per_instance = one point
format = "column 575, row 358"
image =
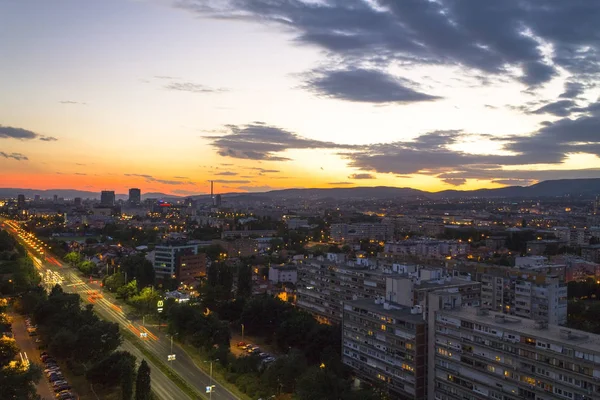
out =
column 62, row 388
column 59, row 383
column 242, row 345
column 264, row 355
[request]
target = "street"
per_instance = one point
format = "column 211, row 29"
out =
column 27, row 345
column 157, row 342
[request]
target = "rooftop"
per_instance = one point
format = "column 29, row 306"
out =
column 523, row 326
column 396, row 310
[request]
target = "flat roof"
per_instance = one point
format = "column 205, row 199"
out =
column 398, row 311
column 524, row 326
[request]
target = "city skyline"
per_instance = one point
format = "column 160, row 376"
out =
column 166, row 95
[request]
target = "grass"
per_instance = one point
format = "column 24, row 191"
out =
column 172, row 375
column 218, row 371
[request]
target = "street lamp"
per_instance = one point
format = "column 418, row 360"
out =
column 210, row 388
column 242, row 332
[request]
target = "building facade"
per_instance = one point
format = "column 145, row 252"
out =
column 107, row 198
column 386, row 342
column 166, row 257
column 135, row 196
column 480, row 355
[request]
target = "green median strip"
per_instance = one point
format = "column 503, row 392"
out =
column 172, row 375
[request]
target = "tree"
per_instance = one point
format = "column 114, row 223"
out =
column 244, row 286
column 142, row 383
column 114, row 281
column 145, row 302
column 128, row 290
column 73, row 258
column 140, row 268
column 8, row 350
column 86, row 267
column 63, row 344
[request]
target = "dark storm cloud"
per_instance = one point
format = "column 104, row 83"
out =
column 560, row 108
column 494, row 37
column 14, row 156
column 193, row 87
column 150, row 178
column 363, row 85
column 361, row 176
column 262, row 142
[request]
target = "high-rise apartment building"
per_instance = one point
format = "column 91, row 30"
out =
column 77, row 201
column 107, row 198
column 481, row 355
column 386, row 343
column 525, row 292
column 135, row 196
column 324, row 285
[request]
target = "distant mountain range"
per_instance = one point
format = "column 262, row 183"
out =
column 551, row 188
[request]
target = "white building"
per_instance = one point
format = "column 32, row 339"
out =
column 165, row 258
column 283, row 274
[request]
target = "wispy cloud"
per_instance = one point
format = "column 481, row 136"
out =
column 73, row 102
column 14, row 156
column 193, row 87
column 150, row 178
column 226, row 173
column 362, row 176
column 9, row 132
column 340, row 183
column 231, row 181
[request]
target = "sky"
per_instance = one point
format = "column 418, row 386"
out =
column 256, row 95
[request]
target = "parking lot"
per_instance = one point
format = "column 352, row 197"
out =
column 27, row 345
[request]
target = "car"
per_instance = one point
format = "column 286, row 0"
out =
column 62, row 388
column 242, row 345
column 43, row 353
column 264, row 355
column 33, row 333
column 55, row 377
column 256, row 350
column 51, row 364
column 52, row 369
column 268, row 360
column 59, row 383
column 253, row 349
column 246, row 347
column 66, row 395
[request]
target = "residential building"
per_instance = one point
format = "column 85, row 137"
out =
column 591, row 253
column 190, row 267
column 386, row 342
column 242, row 247
column 283, row 274
column 356, row 232
column 167, row 256
column 323, row 285
column 480, row 354
column 526, row 292
column 429, row 248
column 107, row 198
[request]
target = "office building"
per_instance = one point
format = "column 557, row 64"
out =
column 107, row 198
column 135, row 196
column 168, row 255
column 77, row 201
column 386, row 343
column 481, row 355
column 21, row 201
column 36, row 198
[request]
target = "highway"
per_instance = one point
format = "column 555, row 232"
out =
column 156, row 342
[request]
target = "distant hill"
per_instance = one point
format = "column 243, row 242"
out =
column 551, row 188
column 70, row 194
